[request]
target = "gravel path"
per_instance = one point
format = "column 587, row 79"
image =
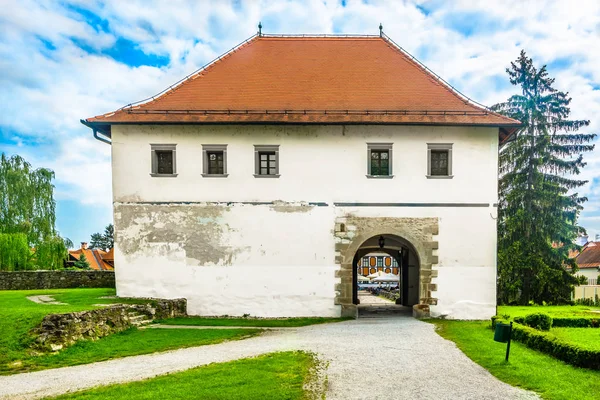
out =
column 371, row 358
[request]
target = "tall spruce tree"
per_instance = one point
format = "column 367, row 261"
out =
column 28, row 237
column 538, row 206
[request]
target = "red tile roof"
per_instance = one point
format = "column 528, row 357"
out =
column 590, row 256
column 97, row 258
column 324, row 80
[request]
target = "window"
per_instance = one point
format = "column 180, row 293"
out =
column 163, row 160
column 365, row 261
column 379, row 261
column 394, row 263
column 439, row 160
column 266, row 161
column 214, row 160
column 379, row 160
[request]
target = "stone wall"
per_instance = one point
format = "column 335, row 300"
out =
column 60, row 330
column 27, row 280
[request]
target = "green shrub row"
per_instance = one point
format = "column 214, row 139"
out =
column 575, row 322
column 539, row 321
column 543, row 322
column 554, row 347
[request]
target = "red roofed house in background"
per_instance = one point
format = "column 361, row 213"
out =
column 256, row 184
column 98, row 259
column 589, row 262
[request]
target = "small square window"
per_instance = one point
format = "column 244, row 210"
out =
column 163, row 160
column 379, row 160
column 266, row 161
column 439, row 160
column 214, row 160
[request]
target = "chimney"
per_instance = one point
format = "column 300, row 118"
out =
column 83, row 245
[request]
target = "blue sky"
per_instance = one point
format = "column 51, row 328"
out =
column 63, row 61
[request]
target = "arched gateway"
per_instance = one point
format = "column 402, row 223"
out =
column 357, row 236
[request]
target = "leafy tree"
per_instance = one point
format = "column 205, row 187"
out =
column 538, row 207
column 105, row 240
column 27, row 215
column 82, row 263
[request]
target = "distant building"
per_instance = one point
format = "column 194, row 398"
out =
column 589, row 261
column 375, row 262
column 99, row 260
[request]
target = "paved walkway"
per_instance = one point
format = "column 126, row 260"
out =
column 385, row 358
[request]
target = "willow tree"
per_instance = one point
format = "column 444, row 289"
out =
column 539, row 205
column 28, row 237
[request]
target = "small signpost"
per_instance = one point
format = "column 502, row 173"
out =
column 503, row 334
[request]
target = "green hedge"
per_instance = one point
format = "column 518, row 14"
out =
column 549, row 344
column 540, row 321
column 575, row 322
column 534, row 321
column 546, row 343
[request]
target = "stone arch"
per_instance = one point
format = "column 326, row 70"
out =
column 418, row 232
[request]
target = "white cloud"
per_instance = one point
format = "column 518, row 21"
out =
column 45, row 92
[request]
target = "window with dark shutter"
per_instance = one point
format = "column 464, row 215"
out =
column 380, row 162
column 439, row 162
column 163, row 160
column 215, row 162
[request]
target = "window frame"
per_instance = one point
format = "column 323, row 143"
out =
column 154, row 147
column 213, row 148
column 380, row 147
column 365, row 258
column 439, row 147
column 261, row 148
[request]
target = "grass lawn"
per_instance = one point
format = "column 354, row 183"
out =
column 272, row 376
column 19, row 315
column 586, row 338
column 553, row 311
column 258, row 322
column 127, row 343
column 526, row 368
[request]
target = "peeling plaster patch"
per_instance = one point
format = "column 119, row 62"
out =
column 193, row 233
column 287, row 207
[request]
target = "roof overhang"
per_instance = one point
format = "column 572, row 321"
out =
column 303, row 117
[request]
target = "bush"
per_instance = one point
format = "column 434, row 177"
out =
column 540, row 321
column 589, row 302
column 546, row 343
column 575, row 322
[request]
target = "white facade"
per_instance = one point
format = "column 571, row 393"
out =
column 266, row 247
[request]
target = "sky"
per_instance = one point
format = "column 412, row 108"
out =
column 61, row 61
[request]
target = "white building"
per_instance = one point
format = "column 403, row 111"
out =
column 257, row 184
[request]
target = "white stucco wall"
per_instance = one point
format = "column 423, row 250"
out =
column 279, row 260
